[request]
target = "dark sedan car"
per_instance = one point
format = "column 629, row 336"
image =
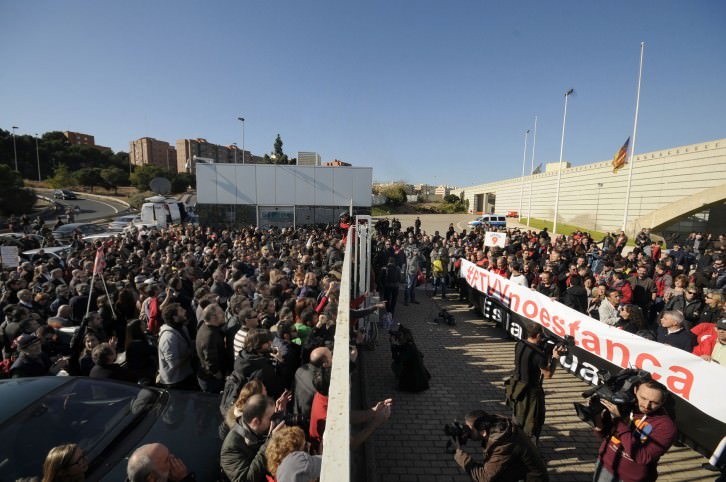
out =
column 64, row 234
column 64, row 194
column 109, row 420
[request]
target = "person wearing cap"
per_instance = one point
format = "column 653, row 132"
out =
column 711, row 339
column 32, row 362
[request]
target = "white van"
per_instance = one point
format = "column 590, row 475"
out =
column 159, row 211
column 493, row 220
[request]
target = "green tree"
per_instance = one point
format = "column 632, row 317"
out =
column 115, row 177
column 15, row 199
column 395, row 194
column 451, row 199
column 61, row 178
column 90, row 176
column 181, row 181
column 278, row 156
column 142, row 176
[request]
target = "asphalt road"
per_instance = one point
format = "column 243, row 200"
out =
column 91, row 209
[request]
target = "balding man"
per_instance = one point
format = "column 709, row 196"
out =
column 62, row 317
column 303, row 387
column 154, row 462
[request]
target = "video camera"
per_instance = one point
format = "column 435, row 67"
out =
column 456, row 430
column 617, row 389
column 564, row 345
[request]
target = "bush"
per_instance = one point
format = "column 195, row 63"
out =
column 138, row 199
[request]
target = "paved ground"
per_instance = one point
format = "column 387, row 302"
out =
column 468, row 362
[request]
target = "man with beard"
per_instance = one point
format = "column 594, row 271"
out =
column 176, row 350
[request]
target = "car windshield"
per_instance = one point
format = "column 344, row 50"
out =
column 91, row 413
column 92, row 229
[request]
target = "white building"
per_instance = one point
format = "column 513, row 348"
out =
column 676, row 189
column 308, row 158
column 277, row 195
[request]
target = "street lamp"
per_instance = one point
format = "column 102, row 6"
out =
column 235, row 152
column 15, row 150
column 559, row 171
column 37, row 155
column 242, row 120
column 597, row 205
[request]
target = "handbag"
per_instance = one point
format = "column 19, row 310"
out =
column 420, row 278
column 514, row 390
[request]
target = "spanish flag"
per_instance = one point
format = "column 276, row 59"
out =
column 621, row 156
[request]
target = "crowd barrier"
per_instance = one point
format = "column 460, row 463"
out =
column 697, row 406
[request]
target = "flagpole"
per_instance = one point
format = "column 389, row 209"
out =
column 632, row 146
column 531, row 172
column 521, row 184
column 559, row 171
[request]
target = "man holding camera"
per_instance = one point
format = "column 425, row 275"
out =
column 532, row 364
column 509, row 453
column 633, row 443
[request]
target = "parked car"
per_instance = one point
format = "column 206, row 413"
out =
column 512, row 214
column 64, row 234
column 22, row 241
column 109, row 420
column 120, row 223
column 493, row 220
column 59, row 252
column 64, row 194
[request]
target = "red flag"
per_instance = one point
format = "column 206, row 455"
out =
column 621, row 156
column 100, row 263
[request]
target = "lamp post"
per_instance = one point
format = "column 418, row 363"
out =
column 242, row 120
column 559, row 171
column 37, row 155
column 15, row 150
column 531, row 172
column 235, row 152
column 597, row 205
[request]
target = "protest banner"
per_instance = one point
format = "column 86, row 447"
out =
column 697, row 405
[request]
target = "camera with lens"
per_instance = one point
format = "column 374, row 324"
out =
column 617, row 389
column 457, row 431
column 563, row 345
column 290, row 419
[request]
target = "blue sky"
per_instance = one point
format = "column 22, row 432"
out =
column 422, row 91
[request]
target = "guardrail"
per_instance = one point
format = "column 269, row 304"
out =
column 336, row 439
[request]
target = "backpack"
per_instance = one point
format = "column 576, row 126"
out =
column 232, row 386
column 438, row 267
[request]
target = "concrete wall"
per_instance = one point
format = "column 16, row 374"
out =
column 659, row 179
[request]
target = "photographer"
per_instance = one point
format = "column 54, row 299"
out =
column 533, row 364
column 509, row 454
column 633, row 443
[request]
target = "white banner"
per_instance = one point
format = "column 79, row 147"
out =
column 495, row 239
column 9, row 256
column 697, row 381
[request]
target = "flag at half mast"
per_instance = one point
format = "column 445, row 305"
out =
column 621, row 156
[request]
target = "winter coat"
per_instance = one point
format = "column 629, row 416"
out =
column 508, row 455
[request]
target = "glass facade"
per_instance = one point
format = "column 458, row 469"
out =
column 279, row 216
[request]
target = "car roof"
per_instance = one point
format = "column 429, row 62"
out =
column 18, row 393
column 70, row 227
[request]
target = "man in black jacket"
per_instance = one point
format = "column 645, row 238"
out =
column 214, row 362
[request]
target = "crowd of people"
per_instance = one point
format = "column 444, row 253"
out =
column 249, row 314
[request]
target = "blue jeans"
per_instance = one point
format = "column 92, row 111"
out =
column 409, row 291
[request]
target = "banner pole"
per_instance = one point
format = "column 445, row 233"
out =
column 531, row 172
column 632, row 146
column 521, row 184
